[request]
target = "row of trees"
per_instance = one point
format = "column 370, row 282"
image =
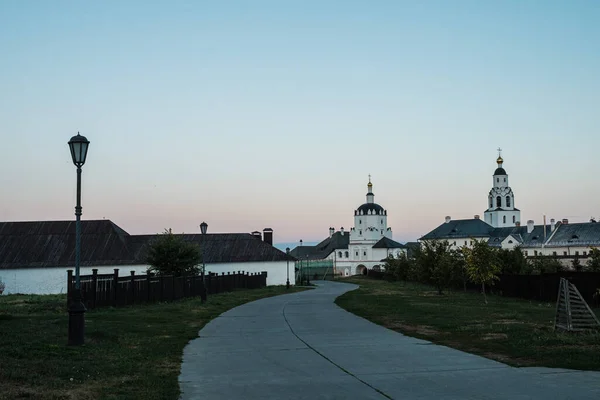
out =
column 437, row 263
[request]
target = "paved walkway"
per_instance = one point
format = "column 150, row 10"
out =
column 302, row 346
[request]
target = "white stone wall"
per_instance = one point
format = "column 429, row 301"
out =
column 276, row 270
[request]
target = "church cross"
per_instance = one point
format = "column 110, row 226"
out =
column 369, row 178
column 499, row 152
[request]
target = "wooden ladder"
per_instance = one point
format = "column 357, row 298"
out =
column 572, row 312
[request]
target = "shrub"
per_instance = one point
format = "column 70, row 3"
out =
column 169, row 254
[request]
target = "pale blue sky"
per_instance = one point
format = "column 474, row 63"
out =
column 253, row 114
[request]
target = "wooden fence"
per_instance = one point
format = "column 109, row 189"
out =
column 112, row 290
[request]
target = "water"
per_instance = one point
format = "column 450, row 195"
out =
column 53, row 280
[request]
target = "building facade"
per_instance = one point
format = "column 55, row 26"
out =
column 365, row 247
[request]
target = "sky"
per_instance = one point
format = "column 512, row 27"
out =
column 255, row 114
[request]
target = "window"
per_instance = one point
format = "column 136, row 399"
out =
column 491, row 203
column 465, row 242
column 504, row 219
column 535, row 253
column 471, row 243
column 357, row 254
column 498, row 201
column 576, row 253
column 564, row 253
column 585, row 253
column 554, row 253
column 339, row 254
column 360, row 232
column 510, row 242
column 507, row 201
column 526, row 253
column 454, row 243
column 514, row 219
column 359, row 221
column 347, row 255
column 504, row 179
column 381, row 222
column 497, row 179
column 364, row 253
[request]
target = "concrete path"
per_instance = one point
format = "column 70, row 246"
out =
column 303, row 346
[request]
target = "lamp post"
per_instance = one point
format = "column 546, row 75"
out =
column 300, row 259
column 203, row 228
column 307, row 272
column 79, row 147
column 287, row 252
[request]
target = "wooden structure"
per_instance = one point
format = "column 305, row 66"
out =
column 112, row 290
column 572, row 312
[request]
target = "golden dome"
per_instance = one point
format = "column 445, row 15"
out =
column 499, row 160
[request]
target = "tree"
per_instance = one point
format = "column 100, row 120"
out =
column 482, row 265
column 545, row 264
column 435, row 264
column 512, row 261
column 576, row 264
column 397, row 268
column 169, row 254
column 593, row 263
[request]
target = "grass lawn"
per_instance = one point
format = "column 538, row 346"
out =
column 514, row 331
column 130, row 353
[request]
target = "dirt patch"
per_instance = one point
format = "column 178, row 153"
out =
column 420, row 329
column 494, row 336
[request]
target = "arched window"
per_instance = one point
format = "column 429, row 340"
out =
column 514, row 219
column 360, row 221
column 491, row 202
column 339, row 254
column 347, row 255
column 507, row 201
column 504, row 219
column 498, row 201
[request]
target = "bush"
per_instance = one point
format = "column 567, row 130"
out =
column 169, row 254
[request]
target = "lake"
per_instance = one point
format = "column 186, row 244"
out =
column 53, row 280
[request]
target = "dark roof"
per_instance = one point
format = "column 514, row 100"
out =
column 573, row 234
column 369, row 206
column 219, row 247
column 500, row 171
column 387, row 243
column 460, row 228
column 323, row 249
column 535, row 238
column 41, row 244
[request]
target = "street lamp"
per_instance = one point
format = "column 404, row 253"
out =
column 287, row 252
column 301, row 270
column 79, row 147
column 203, row 228
column 307, row 272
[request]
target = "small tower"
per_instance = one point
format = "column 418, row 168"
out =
column 501, row 210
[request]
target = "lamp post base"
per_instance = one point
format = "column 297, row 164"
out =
column 287, row 284
column 76, row 321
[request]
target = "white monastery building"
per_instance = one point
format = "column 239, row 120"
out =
column 501, row 227
column 366, row 247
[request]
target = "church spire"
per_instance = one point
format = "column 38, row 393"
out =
column 370, row 195
column 499, row 160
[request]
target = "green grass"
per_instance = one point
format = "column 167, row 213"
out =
column 130, row 353
column 514, row 331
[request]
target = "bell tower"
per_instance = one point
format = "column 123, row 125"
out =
column 501, row 211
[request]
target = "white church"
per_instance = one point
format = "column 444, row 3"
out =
column 366, row 247
column 501, row 227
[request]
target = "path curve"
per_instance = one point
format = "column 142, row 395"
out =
column 303, row 346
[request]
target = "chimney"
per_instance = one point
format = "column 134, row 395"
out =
column 476, row 216
column 257, row 235
column 342, row 231
column 530, row 226
column 565, row 221
column 552, row 224
column 331, row 231
column 448, row 218
column 268, row 236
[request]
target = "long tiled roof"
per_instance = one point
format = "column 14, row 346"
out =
column 576, row 234
column 322, row 250
column 41, row 244
column 572, row 234
column 460, row 228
